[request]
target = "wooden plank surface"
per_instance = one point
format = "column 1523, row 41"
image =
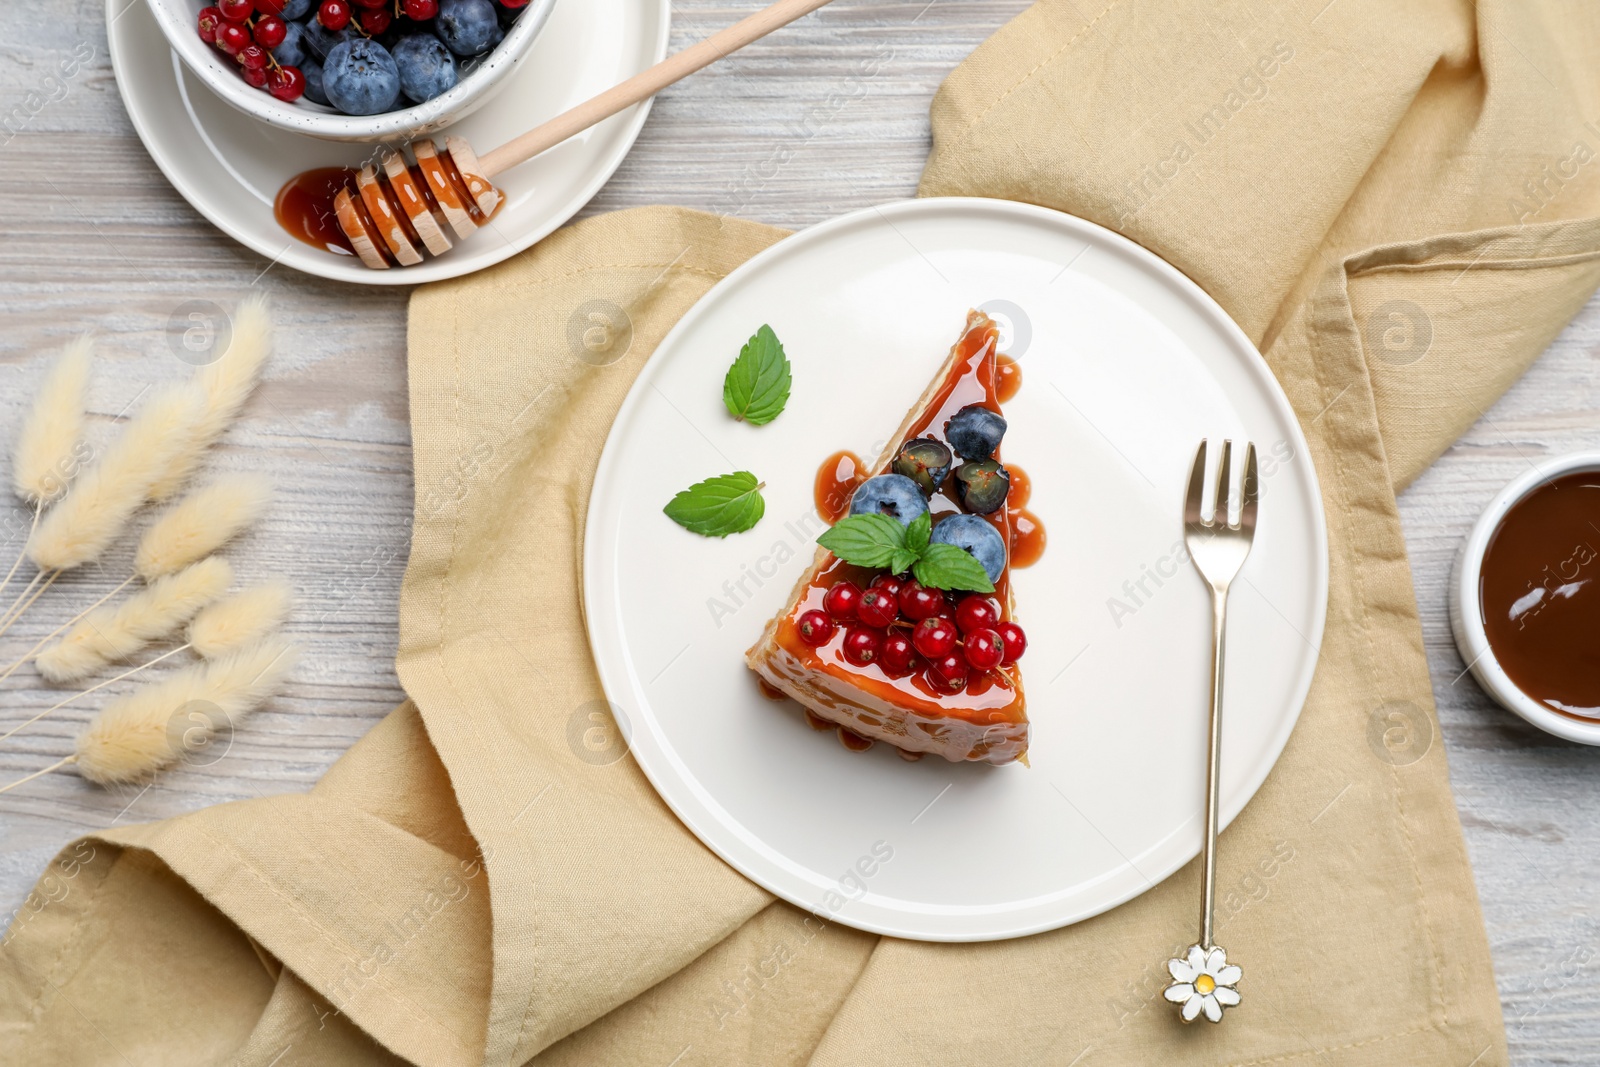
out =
column 94, row 237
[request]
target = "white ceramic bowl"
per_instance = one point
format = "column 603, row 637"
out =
column 1466, row 605
column 177, row 19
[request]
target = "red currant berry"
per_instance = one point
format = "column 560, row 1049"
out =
column 232, row 38
column 334, row 14
column 210, row 19
column 877, row 607
column 287, row 83
column 1016, row 642
column 236, row 10
column 861, row 645
column 252, row 57
column 934, row 637
column 255, row 76
column 888, row 583
column 948, row 672
column 270, row 7
column 421, row 10
column 985, row 649
column 270, row 31
column 513, row 3
column 374, row 20
column 371, row 3
column 841, row 600
column 815, row 628
column 918, row 602
column 977, row 613
column 897, row 654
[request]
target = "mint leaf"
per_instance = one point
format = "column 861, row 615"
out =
column 757, row 385
column 948, row 567
column 917, row 535
column 717, row 507
column 870, row 540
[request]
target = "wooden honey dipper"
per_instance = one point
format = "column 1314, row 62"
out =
column 396, row 211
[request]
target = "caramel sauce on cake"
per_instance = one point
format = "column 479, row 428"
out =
column 1008, row 378
column 837, row 480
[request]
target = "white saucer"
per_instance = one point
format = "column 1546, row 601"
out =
column 231, row 168
column 1126, row 366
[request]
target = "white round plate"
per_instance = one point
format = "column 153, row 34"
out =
column 231, row 167
column 1127, row 365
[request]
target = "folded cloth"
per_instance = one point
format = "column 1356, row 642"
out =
column 1395, row 201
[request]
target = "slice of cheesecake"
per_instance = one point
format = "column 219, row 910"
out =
column 970, row 710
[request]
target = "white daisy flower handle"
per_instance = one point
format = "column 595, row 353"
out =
column 1203, row 980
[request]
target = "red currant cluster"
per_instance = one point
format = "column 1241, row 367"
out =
column 375, row 16
column 905, row 627
column 237, row 30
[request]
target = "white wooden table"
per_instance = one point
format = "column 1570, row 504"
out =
column 94, row 237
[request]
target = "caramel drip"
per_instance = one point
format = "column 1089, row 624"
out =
column 368, row 226
column 459, row 185
column 386, row 187
column 380, row 217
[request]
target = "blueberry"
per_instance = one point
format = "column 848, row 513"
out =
column 982, row 486
column 975, row 536
column 291, row 51
column 288, row 10
column 975, row 432
column 426, row 66
column 893, row 495
column 467, row 27
column 313, row 72
column 360, row 78
column 925, row 461
column 317, row 40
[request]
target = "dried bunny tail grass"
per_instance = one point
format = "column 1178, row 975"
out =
column 140, row 734
column 54, row 426
column 79, row 528
column 115, row 633
column 222, row 387
column 240, row 619
column 201, row 523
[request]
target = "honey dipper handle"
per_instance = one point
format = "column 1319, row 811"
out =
column 645, row 84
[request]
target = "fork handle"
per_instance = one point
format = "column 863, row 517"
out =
column 1208, row 872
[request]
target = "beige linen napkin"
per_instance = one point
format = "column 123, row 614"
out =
column 1395, row 201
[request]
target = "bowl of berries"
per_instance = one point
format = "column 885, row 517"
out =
column 353, row 70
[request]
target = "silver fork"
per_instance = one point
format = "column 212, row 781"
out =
column 1203, row 981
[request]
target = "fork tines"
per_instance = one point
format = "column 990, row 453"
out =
column 1249, row 490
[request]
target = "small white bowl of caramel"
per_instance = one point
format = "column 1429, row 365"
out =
column 1525, row 597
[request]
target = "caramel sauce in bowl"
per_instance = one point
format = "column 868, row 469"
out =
column 1525, row 597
